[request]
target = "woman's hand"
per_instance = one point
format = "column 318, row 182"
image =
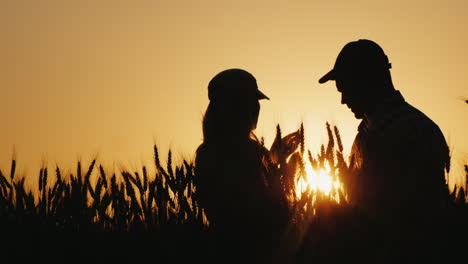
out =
column 285, row 146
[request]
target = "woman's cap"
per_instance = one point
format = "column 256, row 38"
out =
column 234, row 83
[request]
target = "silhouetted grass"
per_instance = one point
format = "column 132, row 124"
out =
column 134, row 215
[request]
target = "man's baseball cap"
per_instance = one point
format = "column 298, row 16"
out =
column 234, row 83
column 358, row 58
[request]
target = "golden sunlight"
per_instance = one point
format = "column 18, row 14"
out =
column 322, row 180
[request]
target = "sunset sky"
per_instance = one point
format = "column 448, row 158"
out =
column 114, row 77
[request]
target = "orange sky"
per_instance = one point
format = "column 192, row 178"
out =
column 112, row 77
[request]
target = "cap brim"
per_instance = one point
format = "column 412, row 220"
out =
column 327, row 77
column 261, row 95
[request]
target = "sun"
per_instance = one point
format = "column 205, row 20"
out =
column 322, row 180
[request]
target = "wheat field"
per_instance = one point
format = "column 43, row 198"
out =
column 132, row 215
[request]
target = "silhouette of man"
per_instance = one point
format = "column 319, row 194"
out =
column 399, row 154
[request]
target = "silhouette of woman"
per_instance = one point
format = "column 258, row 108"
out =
column 245, row 209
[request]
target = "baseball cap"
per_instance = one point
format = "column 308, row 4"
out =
column 358, row 58
column 232, row 83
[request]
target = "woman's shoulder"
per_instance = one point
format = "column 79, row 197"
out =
column 256, row 146
column 247, row 149
column 209, row 155
column 200, row 149
column 201, row 153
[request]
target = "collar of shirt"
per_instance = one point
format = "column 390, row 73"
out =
column 383, row 107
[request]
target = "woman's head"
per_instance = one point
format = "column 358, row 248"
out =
column 236, row 83
column 234, row 108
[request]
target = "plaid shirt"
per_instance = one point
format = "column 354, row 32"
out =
column 400, row 156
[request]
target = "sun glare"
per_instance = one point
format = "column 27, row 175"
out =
column 322, row 180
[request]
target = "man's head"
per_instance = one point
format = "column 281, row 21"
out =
column 362, row 75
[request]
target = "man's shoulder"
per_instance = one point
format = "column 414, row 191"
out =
column 417, row 115
column 405, row 118
column 418, row 123
column 408, row 126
